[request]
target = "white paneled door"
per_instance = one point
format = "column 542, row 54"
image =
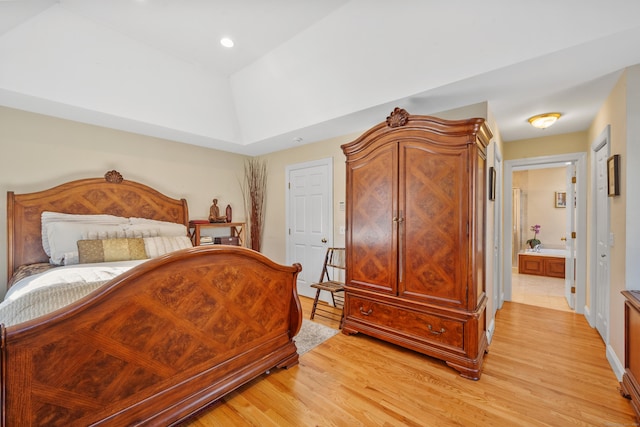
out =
column 601, row 296
column 309, row 219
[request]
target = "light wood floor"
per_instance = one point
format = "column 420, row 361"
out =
column 544, row 368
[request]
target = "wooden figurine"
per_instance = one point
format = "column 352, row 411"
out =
column 214, row 213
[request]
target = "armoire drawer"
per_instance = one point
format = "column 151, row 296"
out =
column 419, row 325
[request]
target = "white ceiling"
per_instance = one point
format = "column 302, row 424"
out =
column 310, row 69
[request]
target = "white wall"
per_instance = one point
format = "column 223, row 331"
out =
column 60, row 63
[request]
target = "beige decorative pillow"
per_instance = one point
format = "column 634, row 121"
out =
column 108, row 250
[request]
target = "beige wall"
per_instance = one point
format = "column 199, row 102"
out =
column 38, row 152
column 540, row 186
column 470, row 111
column 613, row 112
column 576, row 142
column 275, row 233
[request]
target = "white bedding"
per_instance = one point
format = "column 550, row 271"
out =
column 46, row 292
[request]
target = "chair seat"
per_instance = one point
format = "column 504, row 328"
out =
column 330, row 286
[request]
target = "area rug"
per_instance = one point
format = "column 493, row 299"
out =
column 311, row 335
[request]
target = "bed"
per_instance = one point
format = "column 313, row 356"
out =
column 155, row 344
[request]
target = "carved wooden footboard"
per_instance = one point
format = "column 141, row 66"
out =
column 154, row 345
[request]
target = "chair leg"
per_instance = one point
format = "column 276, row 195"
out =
column 342, row 313
column 315, row 303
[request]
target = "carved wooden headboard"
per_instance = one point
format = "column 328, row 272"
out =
column 109, row 195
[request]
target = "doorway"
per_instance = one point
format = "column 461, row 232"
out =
column 541, row 212
column 579, row 244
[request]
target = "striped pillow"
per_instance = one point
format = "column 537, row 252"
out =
column 158, row 246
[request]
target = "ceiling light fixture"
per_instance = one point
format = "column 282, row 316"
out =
column 226, row 42
column 543, row 121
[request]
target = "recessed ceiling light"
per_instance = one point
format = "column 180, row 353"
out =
column 543, row 121
column 226, row 42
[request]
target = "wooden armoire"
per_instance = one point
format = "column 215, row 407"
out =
column 415, row 215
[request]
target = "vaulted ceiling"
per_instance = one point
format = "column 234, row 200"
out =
column 310, row 69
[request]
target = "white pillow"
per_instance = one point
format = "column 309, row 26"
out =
column 63, row 238
column 156, row 246
column 50, row 217
column 164, row 228
column 120, row 233
column 103, row 234
column 144, row 232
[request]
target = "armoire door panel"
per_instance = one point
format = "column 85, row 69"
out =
column 372, row 230
column 433, row 197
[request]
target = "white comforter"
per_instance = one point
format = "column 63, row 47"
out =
column 43, row 293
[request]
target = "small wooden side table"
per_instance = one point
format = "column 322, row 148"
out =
column 236, row 228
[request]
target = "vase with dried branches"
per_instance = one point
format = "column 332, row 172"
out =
column 254, row 190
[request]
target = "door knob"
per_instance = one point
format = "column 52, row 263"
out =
column 323, row 240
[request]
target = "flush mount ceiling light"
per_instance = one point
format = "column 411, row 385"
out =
column 226, row 42
column 543, row 121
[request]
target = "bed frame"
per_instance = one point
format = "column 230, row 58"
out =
column 154, row 345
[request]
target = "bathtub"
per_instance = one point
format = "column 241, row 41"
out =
column 548, row 252
column 547, row 262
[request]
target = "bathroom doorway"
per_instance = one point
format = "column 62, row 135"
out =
column 517, row 231
column 541, row 222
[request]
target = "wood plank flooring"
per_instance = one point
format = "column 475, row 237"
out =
column 544, row 368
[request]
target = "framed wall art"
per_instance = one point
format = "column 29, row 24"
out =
column 613, row 175
column 561, row 199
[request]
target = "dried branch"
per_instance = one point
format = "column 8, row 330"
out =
column 254, row 191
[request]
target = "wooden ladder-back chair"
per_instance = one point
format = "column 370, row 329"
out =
column 331, row 280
